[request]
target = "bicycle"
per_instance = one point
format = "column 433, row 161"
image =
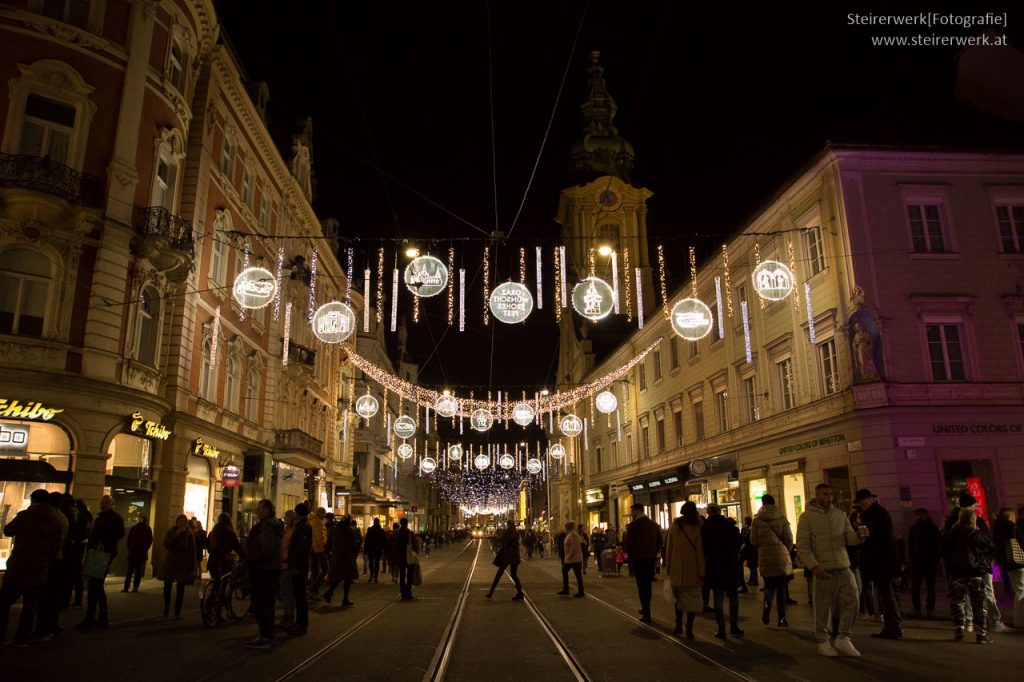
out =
column 223, row 597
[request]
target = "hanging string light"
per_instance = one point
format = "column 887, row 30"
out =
column 366, row 300
column 718, row 300
column 728, row 280
column 312, row 288
column 757, row 261
column 746, row 331
column 792, row 268
column 626, row 278
column 349, row 256
column 344, row 427
column 639, row 299
column 394, row 299
column 615, row 280
column 661, row 278
column 591, row 262
column 522, row 265
column 810, row 313
column 215, row 337
column 462, row 299
column 245, row 266
column 287, row 333
column 540, row 277
column 487, row 284
column 561, row 274
column 380, row 285
column 415, row 309
column 277, row 278
column 558, row 308
column 693, row 272
column 451, row 285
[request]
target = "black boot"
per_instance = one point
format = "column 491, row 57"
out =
column 766, row 614
column 679, row 623
column 689, row 624
column 720, row 633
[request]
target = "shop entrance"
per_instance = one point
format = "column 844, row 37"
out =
column 839, row 479
column 974, row 476
column 197, row 490
column 793, row 495
column 758, row 488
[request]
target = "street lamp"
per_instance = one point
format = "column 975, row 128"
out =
column 604, row 250
column 411, row 252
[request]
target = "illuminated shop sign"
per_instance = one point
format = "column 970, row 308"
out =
column 232, row 477
column 13, row 437
column 815, row 443
column 654, row 484
column 150, row 429
column 636, row 486
column 204, row 449
column 670, row 480
column 12, row 409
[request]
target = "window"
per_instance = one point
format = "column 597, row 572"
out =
column 945, row 351
column 645, row 441
column 252, row 395
column 629, row 447
column 234, row 375
column 615, row 454
column 176, row 63
column 641, row 375
column 677, row 427
column 829, row 367
column 163, row 185
column 74, row 12
column 597, row 459
column 1011, row 228
column 207, row 379
column 149, row 327
column 657, row 365
column 926, row 228
column 741, row 293
column 264, row 210
column 246, row 193
column 715, row 329
column 25, row 276
column 47, row 128
column 750, row 399
column 785, row 377
column 722, row 410
column 815, row 250
column 227, row 159
column 692, row 349
column 673, row 352
column 659, row 432
column 698, row 420
column 218, row 257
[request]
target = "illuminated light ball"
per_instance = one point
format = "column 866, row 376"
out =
column 557, row 451
column 571, row 425
column 691, row 319
column 426, row 276
column 405, row 451
column 511, row 302
column 333, row 322
column 523, row 414
column 506, row 461
column 446, row 405
column 534, row 466
column 773, row 280
column 481, row 461
column 404, row 426
column 254, row 288
column 481, row 419
column 428, row 465
column 366, row 406
column 593, row 298
column 455, row 451
column 606, row 402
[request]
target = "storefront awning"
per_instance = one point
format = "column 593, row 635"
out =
column 32, row 471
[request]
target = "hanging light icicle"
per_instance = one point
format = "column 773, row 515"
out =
column 626, row 278
column 757, row 261
column 287, row 333
column 426, row 411
column 561, row 274
column 451, row 285
column 394, row 299
column 586, row 442
column 746, row 331
column 591, row 263
column 693, row 272
column 462, row 299
column 348, row 276
column 618, row 424
column 522, row 265
column 215, row 334
column 487, row 284
column 718, row 299
column 810, row 313
column 312, row 288
column 639, row 299
column 661, row 279
column 792, row 268
column 344, row 427
column 245, row 266
column 555, row 289
column 615, row 280
column 380, row 285
column 415, row 309
column 540, row 277
column 366, row 300
column 389, row 429
column 728, row 280
column 277, row 278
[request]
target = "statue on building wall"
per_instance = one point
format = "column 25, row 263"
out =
column 865, row 346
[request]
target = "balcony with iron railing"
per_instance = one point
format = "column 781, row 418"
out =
column 164, row 238
column 301, row 356
column 42, row 174
column 297, row 447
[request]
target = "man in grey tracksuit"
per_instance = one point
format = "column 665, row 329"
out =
column 822, row 534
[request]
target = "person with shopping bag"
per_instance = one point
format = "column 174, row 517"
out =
column 408, row 560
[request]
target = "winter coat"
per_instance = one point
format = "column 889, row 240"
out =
column 316, row 524
column 263, row 546
column 392, row 548
column 376, row 540
column 721, row 541
column 406, row 539
column 507, row 551
column 222, row 541
column 684, row 555
column 1005, row 530
column 140, row 539
column 771, row 534
column 107, row 530
column 573, row 548
column 36, row 534
column 643, row 539
column 179, row 564
column 344, row 547
column 924, row 541
column 879, row 559
column 559, row 541
column 299, row 546
column 969, row 551
column 822, row 536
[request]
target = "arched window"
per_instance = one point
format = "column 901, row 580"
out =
column 207, row 383
column 149, row 327
column 252, row 395
column 25, row 278
column 231, row 381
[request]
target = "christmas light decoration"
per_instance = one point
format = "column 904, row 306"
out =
column 487, row 284
column 251, row 287
column 591, row 272
column 511, row 302
column 344, row 428
column 481, row 419
column 428, row 465
column 615, row 281
column 405, row 451
column 561, row 274
column 446, row 405
column 757, row 262
column 394, row 299
column 426, row 276
column 639, row 299
column 277, row 279
column 506, row 461
column 451, row 285
column 557, row 451
column 618, row 425
column 462, row 300
column 333, row 322
column 404, row 427
column 349, row 257
column 287, row 333
column 691, row 319
column 661, row 277
column 312, row 287
column 792, row 269
column 380, row 285
column 366, row 300
column 522, row 265
column 388, row 429
column 214, row 336
column 482, row 461
column 571, row 425
column 810, row 313
column 728, row 279
column 606, row 402
column 523, row 413
column 540, row 277
column 746, row 331
column 366, row 406
column 593, row 298
column 415, row 309
column 721, row 308
column 455, row 452
column 533, row 465
column 555, row 289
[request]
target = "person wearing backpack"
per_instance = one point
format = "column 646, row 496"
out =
column 969, row 549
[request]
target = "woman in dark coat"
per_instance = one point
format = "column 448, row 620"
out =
column 222, row 542
column 344, row 548
column 506, row 556
column 179, row 565
column 721, row 541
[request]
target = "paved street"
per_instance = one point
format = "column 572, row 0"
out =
column 452, row 632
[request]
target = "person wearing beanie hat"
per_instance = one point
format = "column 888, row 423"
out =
column 967, row 500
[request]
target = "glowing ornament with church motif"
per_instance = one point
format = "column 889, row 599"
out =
column 523, row 414
column 691, row 319
column 333, row 322
column 404, row 426
column 571, row 425
column 593, row 298
column 606, row 402
column 506, row 461
column 426, row 276
column 481, row 461
column 366, row 406
column 534, row 466
column 481, row 419
column 428, row 465
column 455, row 452
column 254, row 288
column 405, row 451
column 773, row 280
column 557, row 451
column 511, row 302
column 446, row 405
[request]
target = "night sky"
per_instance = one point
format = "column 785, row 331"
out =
column 722, row 103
